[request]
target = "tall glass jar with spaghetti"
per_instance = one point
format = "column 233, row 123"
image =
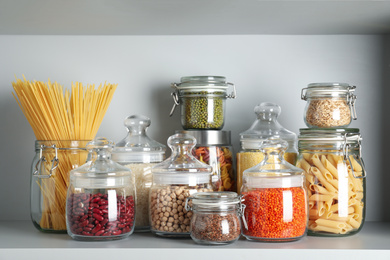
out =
column 335, row 179
column 139, row 153
column 49, row 181
column 214, row 148
column 266, row 125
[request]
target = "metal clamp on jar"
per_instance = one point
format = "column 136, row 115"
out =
column 202, row 101
column 216, row 217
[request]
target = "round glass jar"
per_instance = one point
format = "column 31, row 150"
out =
column 139, row 153
column 329, row 105
column 216, row 217
column 335, row 180
column 174, row 180
column 100, row 201
column 50, row 170
column 202, row 101
column 266, row 125
column 275, row 197
column 214, row 148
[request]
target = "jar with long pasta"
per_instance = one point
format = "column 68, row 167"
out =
column 335, row 179
column 139, row 153
column 266, row 125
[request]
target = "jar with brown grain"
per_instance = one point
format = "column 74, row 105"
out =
column 216, row 217
column 266, row 125
column 329, row 105
column 174, row 180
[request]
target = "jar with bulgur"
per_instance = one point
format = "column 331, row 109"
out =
column 266, row 125
column 139, row 153
column 174, row 180
column 329, row 105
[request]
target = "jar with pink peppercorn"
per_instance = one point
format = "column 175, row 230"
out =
column 101, row 197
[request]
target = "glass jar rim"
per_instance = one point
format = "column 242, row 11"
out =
column 349, row 135
column 213, row 199
column 210, row 83
column 327, row 90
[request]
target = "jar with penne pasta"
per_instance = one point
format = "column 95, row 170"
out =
column 335, row 180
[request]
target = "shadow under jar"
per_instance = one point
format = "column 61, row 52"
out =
column 216, row 217
column 202, row 101
column 335, row 180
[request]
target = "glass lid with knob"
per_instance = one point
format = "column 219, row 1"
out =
column 137, row 146
column 265, row 126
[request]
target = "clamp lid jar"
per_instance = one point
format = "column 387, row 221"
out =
column 139, row 153
column 275, row 197
column 175, row 179
column 329, row 105
column 216, row 217
column 335, row 174
column 101, row 195
column 202, row 101
column 265, row 126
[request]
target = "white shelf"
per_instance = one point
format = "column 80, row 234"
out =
column 19, row 240
column 189, row 17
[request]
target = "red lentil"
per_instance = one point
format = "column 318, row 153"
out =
column 264, row 214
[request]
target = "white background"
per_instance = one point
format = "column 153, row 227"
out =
column 263, row 67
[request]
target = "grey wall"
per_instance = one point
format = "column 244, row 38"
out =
column 264, row 68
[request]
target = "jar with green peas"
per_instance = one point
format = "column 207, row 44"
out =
column 202, row 101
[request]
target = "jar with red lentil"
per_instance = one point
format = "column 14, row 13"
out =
column 335, row 180
column 139, row 153
column 275, row 197
column 266, row 125
column 216, row 217
column 329, row 105
column 174, row 180
column 100, row 201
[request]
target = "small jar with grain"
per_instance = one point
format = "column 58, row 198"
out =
column 139, row 153
column 266, row 125
column 100, row 202
column 216, row 217
column 275, row 197
column 174, row 180
column 329, row 105
column 202, row 101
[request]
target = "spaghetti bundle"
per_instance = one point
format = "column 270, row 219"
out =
column 61, row 117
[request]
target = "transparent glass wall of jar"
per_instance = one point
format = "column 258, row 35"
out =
column 329, row 105
column 216, row 217
column 266, row 125
column 175, row 179
column 202, row 101
column 139, row 153
column 275, row 197
column 335, row 179
column 101, row 197
column 50, row 170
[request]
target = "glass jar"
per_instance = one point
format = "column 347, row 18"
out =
column 49, row 181
column 174, row 180
column 100, row 201
column 202, row 101
column 265, row 126
column 216, row 217
column 329, row 105
column 214, row 148
column 275, row 197
column 139, row 153
column 335, row 179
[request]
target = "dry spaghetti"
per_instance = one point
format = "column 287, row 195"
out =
column 58, row 116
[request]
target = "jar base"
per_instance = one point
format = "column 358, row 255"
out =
column 207, row 242
column 171, row 234
column 265, row 239
column 46, row 230
column 98, row 238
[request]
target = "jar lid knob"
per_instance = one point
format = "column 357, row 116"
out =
column 267, row 111
column 137, row 123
